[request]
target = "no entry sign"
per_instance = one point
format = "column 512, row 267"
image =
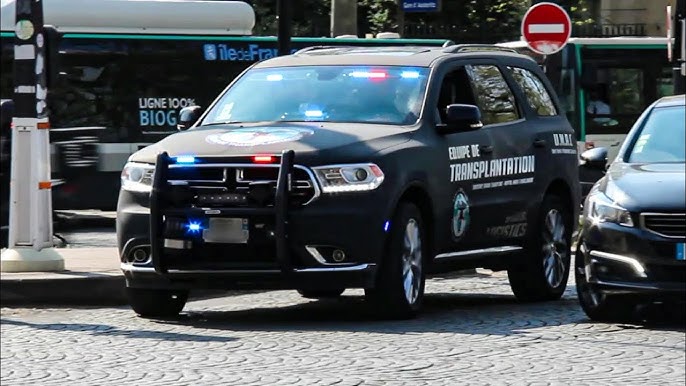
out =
column 546, row 28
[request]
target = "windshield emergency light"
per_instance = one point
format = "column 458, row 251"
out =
column 185, row 159
column 365, row 74
column 262, row 159
column 409, row 74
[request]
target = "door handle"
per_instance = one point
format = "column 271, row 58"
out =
column 485, row 149
column 540, row 143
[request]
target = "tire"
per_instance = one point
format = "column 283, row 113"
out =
column 597, row 305
column 321, row 294
column 156, row 302
column 543, row 271
column 399, row 290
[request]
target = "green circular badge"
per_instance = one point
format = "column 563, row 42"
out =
column 24, row 29
column 461, row 216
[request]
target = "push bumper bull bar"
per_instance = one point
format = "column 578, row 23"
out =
column 158, row 207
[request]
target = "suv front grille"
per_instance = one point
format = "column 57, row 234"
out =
column 240, row 185
column 672, row 225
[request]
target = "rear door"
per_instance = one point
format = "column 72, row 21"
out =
column 547, row 135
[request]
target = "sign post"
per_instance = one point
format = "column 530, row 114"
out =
column 30, row 234
column 546, row 28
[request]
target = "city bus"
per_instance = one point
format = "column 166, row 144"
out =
column 604, row 84
column 127, row 69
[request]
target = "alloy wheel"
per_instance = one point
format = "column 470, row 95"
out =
column 412, row 261
column 554, row 248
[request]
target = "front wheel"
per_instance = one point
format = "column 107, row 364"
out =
column 544, row 271
column 156, row 302
column 399, row 290
column 597, row 305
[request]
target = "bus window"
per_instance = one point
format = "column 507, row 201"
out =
column 626, row 87
column 665, row 82
column 6, row 59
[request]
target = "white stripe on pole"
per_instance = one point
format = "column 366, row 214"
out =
column 546, row 28
column 24, row 52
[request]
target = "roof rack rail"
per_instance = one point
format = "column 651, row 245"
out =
column 455, row 48
column 313, row 48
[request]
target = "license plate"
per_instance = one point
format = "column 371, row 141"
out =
column 680, row 251
column 227, row 230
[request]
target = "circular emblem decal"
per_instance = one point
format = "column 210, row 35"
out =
column 460, row 214
column 258, row 136
column 24, row 29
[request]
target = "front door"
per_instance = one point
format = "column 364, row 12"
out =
column 462, row 217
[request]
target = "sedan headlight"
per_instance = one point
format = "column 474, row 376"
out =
column 137, row 177
column 602, row 209
column 349, row 177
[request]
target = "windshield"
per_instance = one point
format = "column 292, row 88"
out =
column 662, row 138
column 381, row 94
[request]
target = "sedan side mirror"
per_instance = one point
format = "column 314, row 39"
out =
column 595, row 158
column 459, row 118
column 188, row 116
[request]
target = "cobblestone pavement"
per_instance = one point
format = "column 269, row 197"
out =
column 472, row 333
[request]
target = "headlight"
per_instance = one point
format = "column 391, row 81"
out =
column 349, row 178
column 137, row 177
column 602, row 209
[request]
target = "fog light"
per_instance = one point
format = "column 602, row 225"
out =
column 338, row 255
column 140, row 255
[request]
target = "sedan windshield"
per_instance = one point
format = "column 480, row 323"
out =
column 662, row 138
column 380, row 94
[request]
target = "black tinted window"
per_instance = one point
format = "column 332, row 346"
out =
column 493, row 95
column 134, row 87
column 536, row 93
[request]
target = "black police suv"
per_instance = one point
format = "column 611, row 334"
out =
column 631, row 243
column 351, row 167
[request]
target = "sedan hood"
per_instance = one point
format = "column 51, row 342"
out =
column 645, row 187
column 340, row 141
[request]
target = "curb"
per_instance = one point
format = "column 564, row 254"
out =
column 92, row 289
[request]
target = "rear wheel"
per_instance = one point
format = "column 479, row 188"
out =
column 399, row 290
column 156, row 302
column 597, row 305
column 321, row 294
column 544, row 271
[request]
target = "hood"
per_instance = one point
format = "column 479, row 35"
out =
column 645, row 187
column 325, row 141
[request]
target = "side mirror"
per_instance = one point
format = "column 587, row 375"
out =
column 461, row 117
column 595, row 158
column 188, row 116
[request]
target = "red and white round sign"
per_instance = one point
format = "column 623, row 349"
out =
column 546, row 28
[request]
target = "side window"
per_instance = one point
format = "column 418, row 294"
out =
column 493, row 96
column 536, row 94
column 454, row 89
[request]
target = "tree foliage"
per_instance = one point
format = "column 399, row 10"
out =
column 477, row 17
column 310, row 17
column 381, row 15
